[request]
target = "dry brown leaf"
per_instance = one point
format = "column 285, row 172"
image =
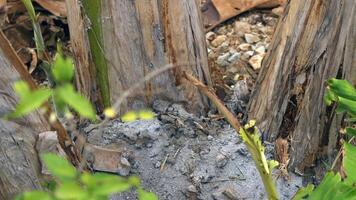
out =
column 56, row 7
column 217, row 11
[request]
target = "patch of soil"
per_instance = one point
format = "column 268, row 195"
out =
column 179, row 156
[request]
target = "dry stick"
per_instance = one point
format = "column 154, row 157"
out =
column 216, row 101
column 63, row 138
column 266, row 178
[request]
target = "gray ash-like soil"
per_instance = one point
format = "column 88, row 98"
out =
column 179, row 156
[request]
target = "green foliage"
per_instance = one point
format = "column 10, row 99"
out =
column 251, row 137
column 333, row 187
column 36, row 27
column 63, row 69
column 64, row 94
column 135, row 115
column 29, row 100
column 72, row 185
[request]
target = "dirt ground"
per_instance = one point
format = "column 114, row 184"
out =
column 179, row 156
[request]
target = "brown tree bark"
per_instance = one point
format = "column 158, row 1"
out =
column 314, row 41
column 143, row 35
column 19, row 164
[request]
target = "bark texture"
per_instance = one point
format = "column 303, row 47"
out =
column 140, row 36
column 19, row 164
column 314, row 41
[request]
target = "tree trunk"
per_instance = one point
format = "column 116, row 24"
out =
column 141, row 36
column 314, row 41
column 19, row 164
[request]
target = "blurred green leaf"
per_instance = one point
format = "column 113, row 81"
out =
column 349, row 163
column 351, row 131
column 129, row 116
column 144, row 195
column 145, row 114
column 304, row 192
column 324, row 190
column 342, row 88
column 70, row 190
column 30, row 101
column 110, row 187
column 346, row 105
column 34, row 195
column 59, row 167
column 76, row 101
column 329, row 97
column 63, row 69
column 22, row 89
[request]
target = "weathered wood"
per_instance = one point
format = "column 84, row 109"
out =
column 143, row 35
column 19, row 165
column 314, row 41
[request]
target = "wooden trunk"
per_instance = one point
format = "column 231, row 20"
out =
column 314, row 41
column 19, row 164
column 140, row 36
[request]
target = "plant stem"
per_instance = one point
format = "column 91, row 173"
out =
column 92, row 9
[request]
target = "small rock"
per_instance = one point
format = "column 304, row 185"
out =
column 244, row 47
column 230, row 193
column 210, row 35
column 158, row 164
column 278, row 11
column 241, row 28
column 234, row 57
column 192, row 188
column 222, row 60
column 256, row 61
column 218, row 40
column 247, row 55
column 221, row 161
column 251, row 38
column 261, row 50
column 210, row 138
column 125, row 170
column 217, row 196
column 242, row 151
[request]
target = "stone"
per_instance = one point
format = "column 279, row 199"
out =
column 210, row 35
column 192, row 188
column 210, row 138
column 218, row 40
column 230, row 193
column 278, row 10
column 261, row 50
column 222, row 60
column 244, row 47
column 251, row 38
column 246, row 55
column 241, row 28
column 256, row 61
column 221, row 160
column 234, row 57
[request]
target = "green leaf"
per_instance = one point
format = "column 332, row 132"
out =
column 146, row 114
column 63, row 69
column 70, row 190
column 30, row 101
column 346, row 105
column 349, row 163
column 351, row 131
column 111, row 187
column 326, row 188
column 34, row 195
column 329, row 97
column 144, row 195
column 76, row 101
column 22, row 88
column 342, row 88
column 272, row 164
column 59, row 167
column 304, row 192
column 129, row 116
column 30, row 9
